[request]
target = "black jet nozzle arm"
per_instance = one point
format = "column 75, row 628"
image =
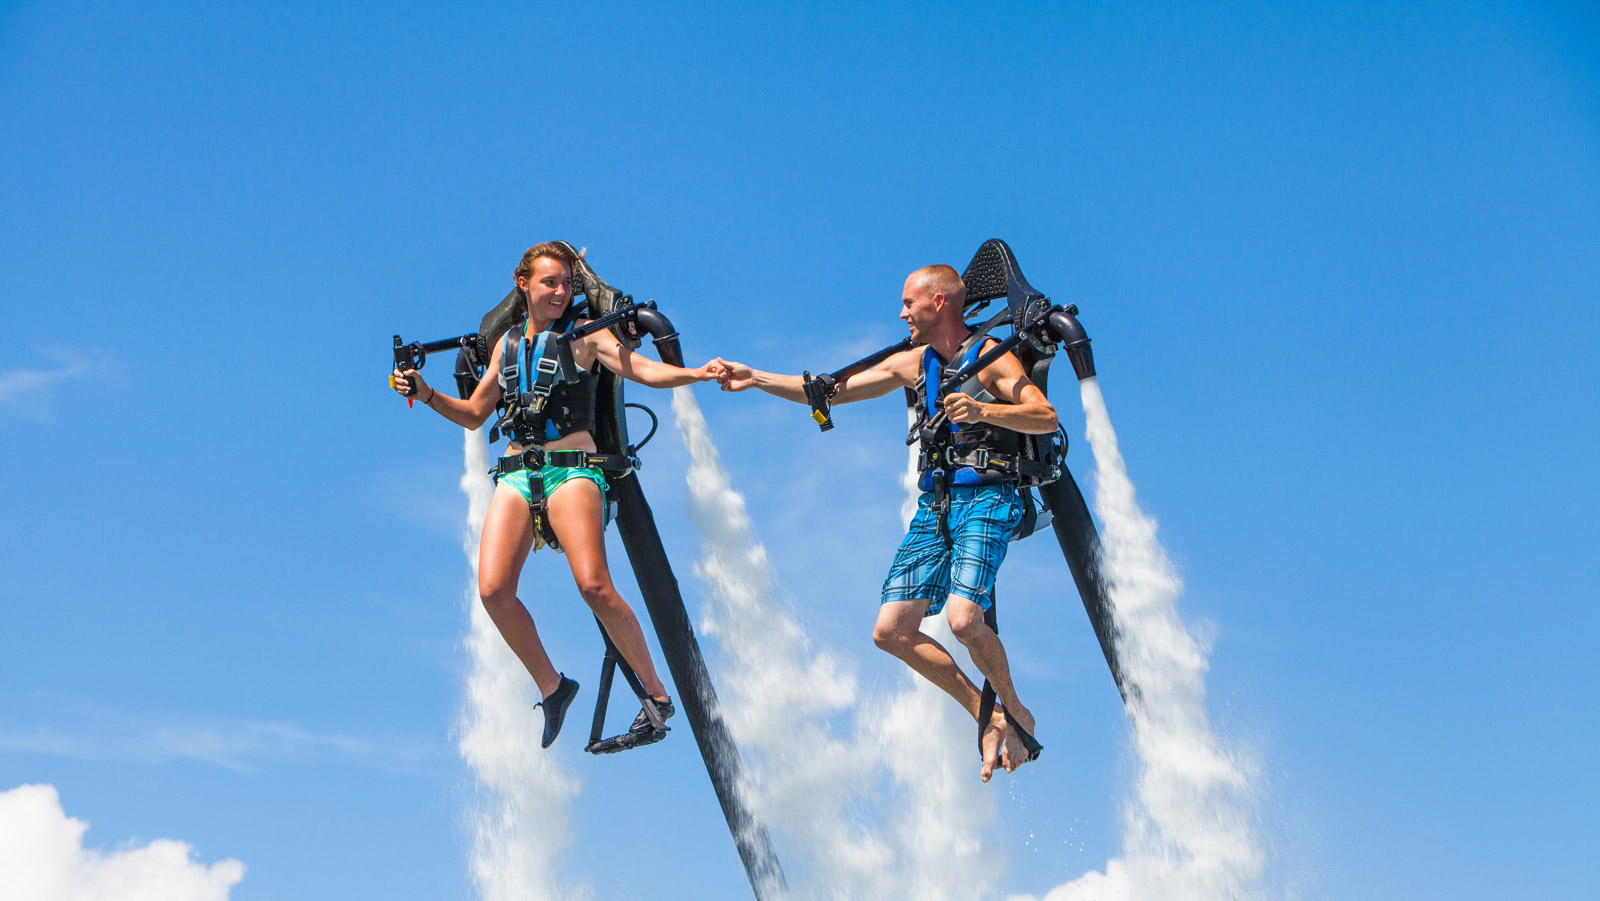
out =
column 1055, row 325
column 821, row 389
column 626, row 314
column 415, row 354
column 474, row 352
column 636, row 319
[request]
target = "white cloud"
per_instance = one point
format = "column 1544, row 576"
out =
column 42, row 858
column 35, row 393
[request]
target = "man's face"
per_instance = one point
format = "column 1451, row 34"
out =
column 549, row 288
column 919, row 307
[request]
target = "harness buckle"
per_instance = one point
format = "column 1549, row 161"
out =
column 545, row 366
column 571, row 459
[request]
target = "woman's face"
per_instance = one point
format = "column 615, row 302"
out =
column 549, row 289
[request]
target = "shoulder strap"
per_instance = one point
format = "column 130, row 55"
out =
column 928, row 381
column 569, row 366
column 510, row 370
column 541, row 366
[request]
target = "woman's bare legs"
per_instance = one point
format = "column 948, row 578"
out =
column 507, row 539
column 575, row 515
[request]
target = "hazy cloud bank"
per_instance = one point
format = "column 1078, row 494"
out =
column 37, row 393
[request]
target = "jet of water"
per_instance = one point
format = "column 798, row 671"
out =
column 1189, row 831
column 520, row 817
column 853, row 832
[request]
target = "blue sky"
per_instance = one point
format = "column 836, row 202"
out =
column 1338, row 260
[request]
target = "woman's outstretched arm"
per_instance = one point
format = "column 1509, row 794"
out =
column 621, row 359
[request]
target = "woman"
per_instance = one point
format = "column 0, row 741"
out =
column 570, row 498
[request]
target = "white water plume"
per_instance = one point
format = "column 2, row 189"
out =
column 520, row 818
column 815, row 747
column 1189, row 831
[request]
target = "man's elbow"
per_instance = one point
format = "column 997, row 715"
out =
column 1049, row 420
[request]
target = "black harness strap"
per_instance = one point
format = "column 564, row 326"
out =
column 941, row 458
column 987, row 699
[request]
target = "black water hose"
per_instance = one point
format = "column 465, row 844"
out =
column 654, row 423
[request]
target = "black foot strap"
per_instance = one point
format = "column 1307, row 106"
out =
column 627, row 740
column 986, row 708
column 1029, row 743
column 986, row 701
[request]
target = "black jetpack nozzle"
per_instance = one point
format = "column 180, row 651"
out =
column 660, row 330
column 1065, row 327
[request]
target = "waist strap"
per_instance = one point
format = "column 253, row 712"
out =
column 538, row 458
column 1001, row 467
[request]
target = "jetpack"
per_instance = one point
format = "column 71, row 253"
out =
column 608, row 308
column 1038, row 331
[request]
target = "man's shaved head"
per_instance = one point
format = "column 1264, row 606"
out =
column 942, row 279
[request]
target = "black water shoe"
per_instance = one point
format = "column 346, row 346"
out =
column 555, row 709
column 663, row 712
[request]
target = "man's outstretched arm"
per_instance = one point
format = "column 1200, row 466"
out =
column 875, row 382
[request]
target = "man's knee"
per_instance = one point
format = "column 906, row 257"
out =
column 890, row 638
column 966, row 621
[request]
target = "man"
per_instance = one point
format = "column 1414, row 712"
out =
column 970, row 503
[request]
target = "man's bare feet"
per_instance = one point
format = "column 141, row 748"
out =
column 994, row 743
column 1017, row 751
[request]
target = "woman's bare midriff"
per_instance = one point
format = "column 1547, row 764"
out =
column 583, row 441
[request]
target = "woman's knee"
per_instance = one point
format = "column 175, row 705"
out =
column 497, row 597
column 598, row 593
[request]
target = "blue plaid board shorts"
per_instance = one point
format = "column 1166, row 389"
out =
column 982, row 518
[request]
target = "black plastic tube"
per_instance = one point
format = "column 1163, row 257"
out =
column 659, row 587
column 1080, row 544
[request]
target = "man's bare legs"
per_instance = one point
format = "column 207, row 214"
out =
column 898, row 632
column 575, row 511
column 503, row 549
